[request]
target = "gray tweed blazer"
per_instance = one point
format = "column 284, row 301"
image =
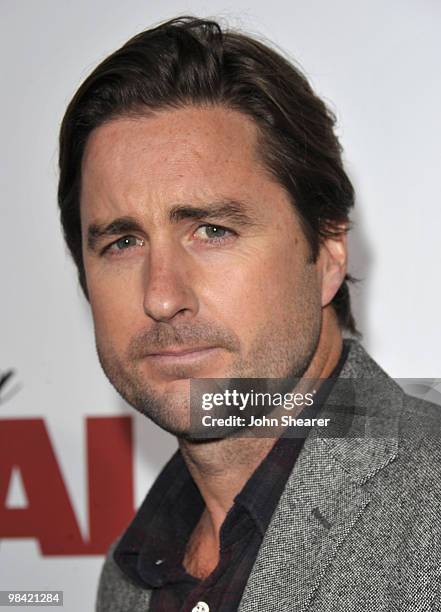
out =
column 358, row 526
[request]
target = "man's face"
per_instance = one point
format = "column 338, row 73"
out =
column 195, row 261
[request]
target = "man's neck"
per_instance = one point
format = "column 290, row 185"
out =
column 221, row 468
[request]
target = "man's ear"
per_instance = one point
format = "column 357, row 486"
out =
column 332, row 262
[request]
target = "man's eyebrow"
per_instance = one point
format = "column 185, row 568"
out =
column 122, row 225
column 228, row 210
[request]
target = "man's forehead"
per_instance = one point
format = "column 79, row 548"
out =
column 203, row 133
column 131, row 166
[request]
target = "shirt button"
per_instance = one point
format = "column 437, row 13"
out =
column 201, row 606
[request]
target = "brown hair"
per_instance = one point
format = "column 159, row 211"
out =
column 193, row 61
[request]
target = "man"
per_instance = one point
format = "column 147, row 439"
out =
column 204, row 201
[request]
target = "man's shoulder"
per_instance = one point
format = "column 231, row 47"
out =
column 420, row 438
column 388, row 427
column 418, row 417
column 116, row 592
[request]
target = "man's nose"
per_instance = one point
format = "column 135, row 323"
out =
column 168, row 284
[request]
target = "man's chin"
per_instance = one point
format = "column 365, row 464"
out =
column 170, row 411
column 173, row 415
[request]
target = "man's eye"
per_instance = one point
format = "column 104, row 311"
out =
column 213, row 233
column 124, row 243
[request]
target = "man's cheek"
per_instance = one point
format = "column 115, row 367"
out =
column 111, row 322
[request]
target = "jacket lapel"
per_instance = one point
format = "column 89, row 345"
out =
column 325, row 494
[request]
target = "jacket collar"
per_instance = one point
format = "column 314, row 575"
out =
column 326, row 493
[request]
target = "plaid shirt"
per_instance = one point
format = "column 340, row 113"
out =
column 152, row 550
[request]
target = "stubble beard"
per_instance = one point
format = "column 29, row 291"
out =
column 274, row 354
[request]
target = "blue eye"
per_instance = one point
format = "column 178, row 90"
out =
column 124, row 243
column 213, row 233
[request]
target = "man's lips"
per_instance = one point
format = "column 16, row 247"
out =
column 182, row 353
column 183, row 361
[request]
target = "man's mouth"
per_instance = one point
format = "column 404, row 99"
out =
column 179, row 351
column 181, row 355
